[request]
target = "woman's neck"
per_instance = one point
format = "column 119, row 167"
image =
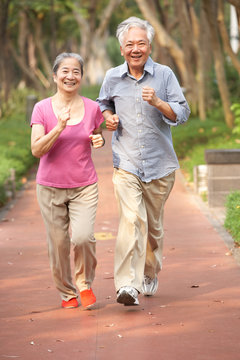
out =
column 66, row 100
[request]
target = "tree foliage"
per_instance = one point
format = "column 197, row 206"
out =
column 192, row 37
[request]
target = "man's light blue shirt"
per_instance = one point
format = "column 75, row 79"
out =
column 142, row 143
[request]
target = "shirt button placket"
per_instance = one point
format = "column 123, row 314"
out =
column 139, row 122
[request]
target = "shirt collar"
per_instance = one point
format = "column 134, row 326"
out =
column 148, row 67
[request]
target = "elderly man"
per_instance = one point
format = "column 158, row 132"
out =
column 140, row 101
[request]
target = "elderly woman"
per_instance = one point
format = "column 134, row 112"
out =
column 64, row 127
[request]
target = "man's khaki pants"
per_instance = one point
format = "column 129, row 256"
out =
column 139, row 241
column 75, row 208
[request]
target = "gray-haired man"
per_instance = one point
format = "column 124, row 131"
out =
column 140, row 101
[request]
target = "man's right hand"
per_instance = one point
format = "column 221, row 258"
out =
column 112, row 122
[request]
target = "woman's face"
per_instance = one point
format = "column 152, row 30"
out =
column 68, row 76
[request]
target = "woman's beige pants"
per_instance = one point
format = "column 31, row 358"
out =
column 75, row 208
column 139, row 242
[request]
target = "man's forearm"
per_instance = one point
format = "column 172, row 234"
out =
column 111, row 119
column 107, row 113
column 166, row 109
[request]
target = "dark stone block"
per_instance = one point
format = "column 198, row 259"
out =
column 223, row 184
column 222, row 156
column 217, row 199
column 225, row 171
column 31, row 101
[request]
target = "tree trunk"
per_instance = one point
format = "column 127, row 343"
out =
column 235, row 3
column 84, row 28
column 167, row 42
column 22, row 33
column 225, row 37
column 98, row 63
column 4, row 58
column 189, row 49
column 33, row 62
column 53, row 38
column 41, row 50
column 210, row 9
column 206, row 55
column 25, row 68
column 93, row 41
column 159, row 53
column 199, row 60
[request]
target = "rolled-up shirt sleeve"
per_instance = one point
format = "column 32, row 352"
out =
column 104, row 100
column 176, row 101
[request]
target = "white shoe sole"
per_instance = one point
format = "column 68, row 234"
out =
column 150, row 289
column 125, row 298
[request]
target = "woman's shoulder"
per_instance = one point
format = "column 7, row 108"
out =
column 92, row 108
column 90, row 102
column 44, row 102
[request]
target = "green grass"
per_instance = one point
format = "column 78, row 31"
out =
column 190, row 142
column 232, row 222
column 194, row 137
column 15, row 152
column 90, row 92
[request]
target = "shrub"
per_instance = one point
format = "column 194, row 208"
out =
column 15, row 152
column 232, row 222
column 236, row 110
column 90, row 92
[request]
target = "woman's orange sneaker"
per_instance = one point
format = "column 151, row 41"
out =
column 88, row 298
column 70, row 304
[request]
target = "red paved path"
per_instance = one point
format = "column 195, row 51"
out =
column 180, row 322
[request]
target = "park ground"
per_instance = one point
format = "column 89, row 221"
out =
column 195, row 314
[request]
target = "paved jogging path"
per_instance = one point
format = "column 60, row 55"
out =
column 195, row 314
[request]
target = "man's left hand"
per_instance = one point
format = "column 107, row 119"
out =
column 149, row 95
column 97, row 140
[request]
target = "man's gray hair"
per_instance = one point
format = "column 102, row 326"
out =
column 133, row 21
column 59, row 59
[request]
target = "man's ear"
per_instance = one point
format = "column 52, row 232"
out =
column 121, row 49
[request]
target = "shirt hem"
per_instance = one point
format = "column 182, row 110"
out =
column 147, row 180
column 66, row 186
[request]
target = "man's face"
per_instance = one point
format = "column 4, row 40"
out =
column 135, row 49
